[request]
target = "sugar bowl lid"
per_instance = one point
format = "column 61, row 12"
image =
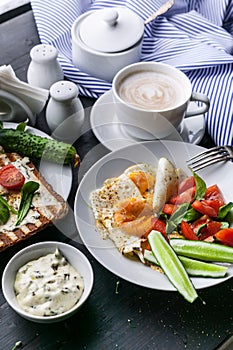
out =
column 111, row 29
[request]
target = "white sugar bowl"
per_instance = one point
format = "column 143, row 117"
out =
column 106, row 40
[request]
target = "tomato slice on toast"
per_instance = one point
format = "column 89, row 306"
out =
column 11, row 178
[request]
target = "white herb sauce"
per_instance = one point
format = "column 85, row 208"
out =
column 48, row 286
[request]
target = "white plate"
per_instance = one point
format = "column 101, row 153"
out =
column 59, row 176
column 112, row 165
column 109, row 132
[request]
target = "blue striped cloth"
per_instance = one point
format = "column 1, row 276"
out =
column 195, row 36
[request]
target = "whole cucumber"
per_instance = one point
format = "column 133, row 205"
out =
column 34, row 146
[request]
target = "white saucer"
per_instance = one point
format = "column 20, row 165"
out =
column 108, row 130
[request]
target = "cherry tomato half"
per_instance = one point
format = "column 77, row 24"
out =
column 213, row 193
column 188, row 231
column 158, row 225
column 204, row 208
column 11, row 178
column 186, row 196
column 169, row 208
column 225, row 236
column 186, row 183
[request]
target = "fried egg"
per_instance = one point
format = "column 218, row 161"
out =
column 144, row 167
column 124, row 206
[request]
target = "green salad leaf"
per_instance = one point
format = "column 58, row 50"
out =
column 4, row 202
column 5, row 209
column 176, row 218
column 200, row 186
column 224, row 210
column 28, row 190
column 4, row 213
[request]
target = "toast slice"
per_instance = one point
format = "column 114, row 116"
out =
column 47, row 206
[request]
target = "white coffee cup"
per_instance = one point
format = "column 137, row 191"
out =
column 151, row 99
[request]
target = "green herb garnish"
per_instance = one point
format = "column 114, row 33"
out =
column 4, row 213
column 28, row 190
column 200, row 186
column 224, row 210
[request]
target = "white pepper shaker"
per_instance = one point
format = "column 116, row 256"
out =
column 64, row 112
column 44, row 68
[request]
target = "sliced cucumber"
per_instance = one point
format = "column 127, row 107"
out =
column 193, row 267
column 202, row 269
column 171, row 265
column 202, row 250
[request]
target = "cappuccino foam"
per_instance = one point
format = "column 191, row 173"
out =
column 150, row 90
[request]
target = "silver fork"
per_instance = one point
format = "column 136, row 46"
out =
column 210, row 157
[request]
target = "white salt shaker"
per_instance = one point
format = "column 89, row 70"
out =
column 44, row 68
column 64, row 112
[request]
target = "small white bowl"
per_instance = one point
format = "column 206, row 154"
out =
column 77, row 259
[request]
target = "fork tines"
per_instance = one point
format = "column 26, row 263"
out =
column 208, row 157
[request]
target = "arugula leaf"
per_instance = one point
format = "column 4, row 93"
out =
column 191, row 215
column 200, row 186
column 3, row 201
column 4, row 213
column 28, row 190
column 176, row 217
column 224, row 210
column 200, row 228
column 170, row 227
column 5, row 209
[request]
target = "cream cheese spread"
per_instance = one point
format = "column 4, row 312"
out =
column 41, row 199
column 48, row 286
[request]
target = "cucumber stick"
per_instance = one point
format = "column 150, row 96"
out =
column 193, row 267
column 34, row 146
column 171, row 265
column 202, row 250
column 201, row 268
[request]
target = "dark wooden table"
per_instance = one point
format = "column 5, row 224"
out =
column 134, row 317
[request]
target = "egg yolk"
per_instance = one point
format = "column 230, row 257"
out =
column 144, row 181
column 133, row 216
